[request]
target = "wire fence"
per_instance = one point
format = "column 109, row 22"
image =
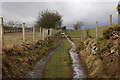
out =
column 16, row 35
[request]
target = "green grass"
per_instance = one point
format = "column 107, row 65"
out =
column 59, row 65
column 78, row 33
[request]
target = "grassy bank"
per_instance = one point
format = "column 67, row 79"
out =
column 59, row 65
column 104, row 64
column 20, row 59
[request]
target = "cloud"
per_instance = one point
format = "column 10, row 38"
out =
column 60, row 0
column 72, row 11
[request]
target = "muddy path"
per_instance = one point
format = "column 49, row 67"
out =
column 38, row 69
column 77, row 66
column 78, row 69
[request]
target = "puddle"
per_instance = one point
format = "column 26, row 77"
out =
column 78, row 70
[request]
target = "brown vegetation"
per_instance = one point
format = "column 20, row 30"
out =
column 105, row 64
column 19, row 59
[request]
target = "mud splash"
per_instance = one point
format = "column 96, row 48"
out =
column 78, row 70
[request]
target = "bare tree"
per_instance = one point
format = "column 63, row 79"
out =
column 78, row 25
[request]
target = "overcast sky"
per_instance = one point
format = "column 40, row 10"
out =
column 72, row 11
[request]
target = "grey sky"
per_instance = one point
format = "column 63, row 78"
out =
column 88, row 12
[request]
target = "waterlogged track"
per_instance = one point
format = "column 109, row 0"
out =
column 38, row 69
column 78, row 70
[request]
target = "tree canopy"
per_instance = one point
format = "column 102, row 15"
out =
column 49, row 19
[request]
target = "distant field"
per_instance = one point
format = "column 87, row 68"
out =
column 78, row 33
column 17, row 38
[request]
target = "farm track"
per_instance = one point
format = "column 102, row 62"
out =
column 38, row 70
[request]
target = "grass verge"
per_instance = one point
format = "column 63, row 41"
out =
column 59, row 65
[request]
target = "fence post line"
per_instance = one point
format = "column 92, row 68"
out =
column 110, row 19
column 23, row 27
column 2, row 32
column 34, row 33
column 96, row 29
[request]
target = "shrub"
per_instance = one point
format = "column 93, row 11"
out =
column 87, row 33
column 110, row 31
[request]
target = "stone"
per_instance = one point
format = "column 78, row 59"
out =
column 112, row 51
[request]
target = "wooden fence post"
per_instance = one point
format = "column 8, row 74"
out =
column 47, row 34
column 119, row 19
column 96, row 29
column 23, row 27
column 1, row 43
column 1, row 32
column 40, row 33
column 33, row 33
column 43, row 35
column 50, row 31
column 85, row 33
column 110, row 19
